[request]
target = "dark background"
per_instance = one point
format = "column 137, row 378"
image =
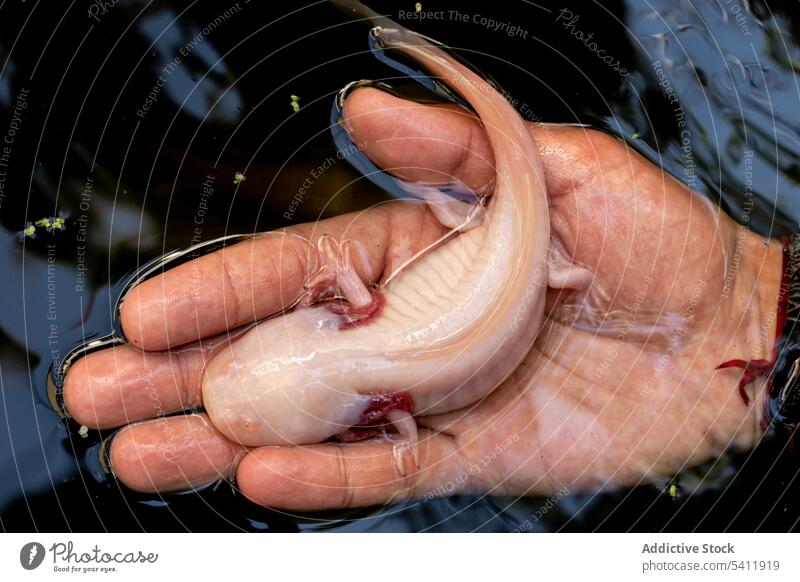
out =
column 225, row 108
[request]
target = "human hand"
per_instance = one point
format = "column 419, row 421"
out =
column 621, row 383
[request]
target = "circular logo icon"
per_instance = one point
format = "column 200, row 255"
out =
column 31, row 555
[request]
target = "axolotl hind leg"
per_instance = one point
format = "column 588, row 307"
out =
column 396, row 409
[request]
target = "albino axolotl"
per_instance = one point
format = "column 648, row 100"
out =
column 437, row 336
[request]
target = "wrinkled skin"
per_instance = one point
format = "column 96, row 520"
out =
column 597, row 403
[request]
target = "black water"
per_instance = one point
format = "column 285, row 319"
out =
column 129, row 183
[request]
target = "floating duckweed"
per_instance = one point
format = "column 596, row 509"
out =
column 418, row 7
column 673, row 490
column 636, row 136
column 48, row 223
column 238, row 178
column 83, row 431
column 295, row 103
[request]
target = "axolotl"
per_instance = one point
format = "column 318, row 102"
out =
column 441, row 334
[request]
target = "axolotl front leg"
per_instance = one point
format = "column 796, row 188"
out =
column 337, row 284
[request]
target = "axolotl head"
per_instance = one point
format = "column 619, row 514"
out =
column 284, row 383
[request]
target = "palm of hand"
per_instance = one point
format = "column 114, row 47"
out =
column 621, row 384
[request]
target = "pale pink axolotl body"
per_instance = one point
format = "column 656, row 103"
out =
column 438, row 336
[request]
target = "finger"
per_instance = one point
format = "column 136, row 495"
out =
column 336, row 476
column 121, row 384
column 216, row 292
column 172, row 454
column 417, row 142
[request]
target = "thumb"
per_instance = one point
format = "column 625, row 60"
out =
column 436, row 144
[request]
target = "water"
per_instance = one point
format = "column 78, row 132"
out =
column 123, row 156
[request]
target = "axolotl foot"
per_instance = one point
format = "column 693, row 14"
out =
column 336, row 282
column 396, row 410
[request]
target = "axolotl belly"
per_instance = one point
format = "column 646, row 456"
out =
column 440, row 335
